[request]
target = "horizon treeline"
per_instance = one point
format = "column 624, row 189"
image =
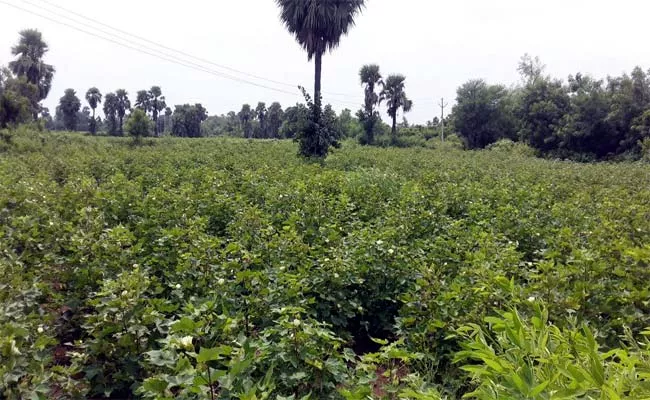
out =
column 582, row 118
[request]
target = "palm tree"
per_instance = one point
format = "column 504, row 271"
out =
column 245, row 116
column 122, row 105
column 371, row 78
column 318, row 26
column 168, row 119
column 93, row 97
column 110, row 112
column 158, row 104
column 395, row 97
column 30, row 50
column 143, row 101
column 260, row 114
column 70, row 105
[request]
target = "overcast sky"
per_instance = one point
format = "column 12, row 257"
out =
column 437, row 45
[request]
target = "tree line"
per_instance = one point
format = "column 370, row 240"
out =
column 27, row 81
column 184, row 121
column 583, row 118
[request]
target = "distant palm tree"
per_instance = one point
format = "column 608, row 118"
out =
column 395, row 97
column 123, row 104
column 158, row 104
column 30, row 50
column 70, row 105
column 371, row 78
column 245, row 116
column 168, row 119
column 260, row 114
column 143, row 101
column 318, row 26
column 93, row 97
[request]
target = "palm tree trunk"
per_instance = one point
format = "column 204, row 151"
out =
column 394, row 131
column 318, row 61
column 93, row 125
column 154, row 114
column 121, row 126
column 155, row 123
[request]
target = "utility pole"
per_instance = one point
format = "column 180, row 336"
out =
column 442, row 120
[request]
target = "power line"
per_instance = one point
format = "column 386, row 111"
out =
column 151, row 51
column 175, row 61
column 156, row 53
column 179, row 51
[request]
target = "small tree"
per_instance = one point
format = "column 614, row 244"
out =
column 138, row 124
column 483, row 114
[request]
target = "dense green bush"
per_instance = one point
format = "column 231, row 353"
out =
column 508, row 146
column 228, row 268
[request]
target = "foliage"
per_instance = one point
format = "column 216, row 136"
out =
column 483, row 114
column 275, row 116
column 152, row 101
column 543, row 105
column 110, row 112
column 143, row 101
column 320, row 132
column 584, row 119
column 395, row 96
column 122, row 105
column 349, row 126
column 537, row 360
column 157, row 105
column 138, row 124
column 231, row 268
column 69, row 105
column 15, row 108
column 645, row 149
column 246, row 116
column 187, row 119
column 318, row 27
column 371, row 78
column 260, row 114
column 295, row 121
column 508, row 146
column 29, row 64
column 94, row 98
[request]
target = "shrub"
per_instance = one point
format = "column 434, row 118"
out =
column 514, row 148
column 138, row 124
